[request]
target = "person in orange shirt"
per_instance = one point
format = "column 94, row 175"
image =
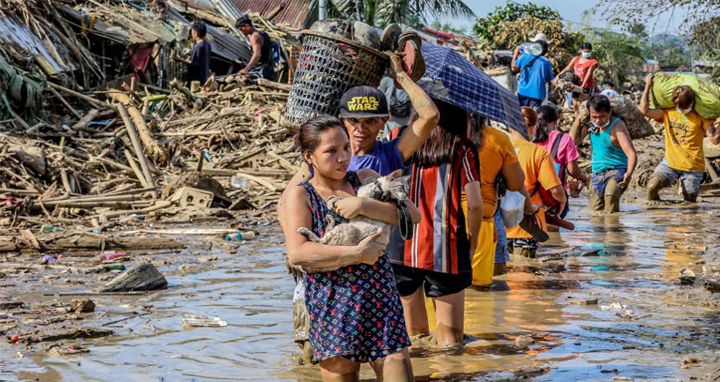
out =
column 684, row 132
column 539, row 171
column 497, row 159
column 584, row 68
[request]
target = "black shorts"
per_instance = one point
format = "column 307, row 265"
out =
column 437, row 284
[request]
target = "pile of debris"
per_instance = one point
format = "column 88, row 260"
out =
column 99, row 44
column 142, row 156
column 510, row 34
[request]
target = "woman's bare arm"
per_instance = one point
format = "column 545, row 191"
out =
column 309, row 255
column 474, row 211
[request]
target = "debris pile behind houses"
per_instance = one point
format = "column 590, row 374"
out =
column 96, row 130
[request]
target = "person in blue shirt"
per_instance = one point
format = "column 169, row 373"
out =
column 364, row 112
column 534, row 73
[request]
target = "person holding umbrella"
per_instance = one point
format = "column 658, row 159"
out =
column 437, row 261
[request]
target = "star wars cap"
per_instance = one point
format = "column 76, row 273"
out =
column 363, row 102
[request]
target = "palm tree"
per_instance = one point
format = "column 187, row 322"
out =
column 382, row 12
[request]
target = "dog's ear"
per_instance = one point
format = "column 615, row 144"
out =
column 395, row 174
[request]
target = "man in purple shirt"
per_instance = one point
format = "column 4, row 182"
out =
column 364, row 112
column 360, row 109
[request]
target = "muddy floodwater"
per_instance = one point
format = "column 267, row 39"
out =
column 602, row 303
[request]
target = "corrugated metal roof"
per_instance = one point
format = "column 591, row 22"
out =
column 294, row 12
column 15, row 33
column 224, row 44
column 125, row 27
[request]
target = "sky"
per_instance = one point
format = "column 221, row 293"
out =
column 571, row 11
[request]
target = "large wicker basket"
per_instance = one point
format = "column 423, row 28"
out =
column 328, row 66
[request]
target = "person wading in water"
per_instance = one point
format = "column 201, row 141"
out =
column 352, row 301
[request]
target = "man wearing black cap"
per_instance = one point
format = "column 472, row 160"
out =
column 261, row 47
column 364, row 111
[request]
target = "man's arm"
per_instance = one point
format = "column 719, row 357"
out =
column 256, row 41
column 713, row 132
column 428, row 114
column 183, row 60
column 513, row 66
column 578, row 131
column 645, row 101
column 623, row 137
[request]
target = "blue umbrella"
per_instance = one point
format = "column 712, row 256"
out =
column 451, row 78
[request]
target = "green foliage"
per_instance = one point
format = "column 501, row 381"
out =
column 511, row 12
column 700, row 18
column 508, row 26
column 447, row 28
column 379, row 13
column 670, row 51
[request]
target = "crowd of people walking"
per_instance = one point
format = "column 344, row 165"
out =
column 366, row 302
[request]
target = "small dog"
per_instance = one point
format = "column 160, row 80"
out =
column 386, row 188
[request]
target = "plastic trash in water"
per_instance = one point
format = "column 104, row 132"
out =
column 207, row 156
column 112, row 256
column 614, row 306
column 532, row 48
column 47, row 259
column 202, row 321
column 240, row 236
column 239, row 183
column 49, row 228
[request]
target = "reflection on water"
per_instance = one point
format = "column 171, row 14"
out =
column 551, row 311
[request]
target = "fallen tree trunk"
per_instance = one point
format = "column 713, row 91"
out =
column 157, row 154
column 137, row 145
column 61, row 241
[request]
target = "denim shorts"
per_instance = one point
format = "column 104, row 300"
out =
column 528, row 101
column 501, row 250
column 599, row 180
column 690, row 180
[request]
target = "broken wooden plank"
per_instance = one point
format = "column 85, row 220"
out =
column 137, row 145
column 141, row 278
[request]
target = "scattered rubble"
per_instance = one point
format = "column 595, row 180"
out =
column 141, row 278
column 83, row 305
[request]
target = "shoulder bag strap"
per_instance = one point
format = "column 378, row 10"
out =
column 405, row 223
column 556, row 145
column 529, row 64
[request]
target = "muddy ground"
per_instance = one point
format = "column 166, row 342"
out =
column 602, row 303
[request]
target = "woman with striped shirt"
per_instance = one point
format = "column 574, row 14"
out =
column 436, row 262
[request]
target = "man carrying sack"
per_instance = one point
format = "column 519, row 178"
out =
column 684, row 133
